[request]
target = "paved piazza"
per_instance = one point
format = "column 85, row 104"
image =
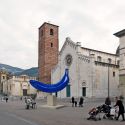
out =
column 14, row 112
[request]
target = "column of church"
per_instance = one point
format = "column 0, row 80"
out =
column 121, row 36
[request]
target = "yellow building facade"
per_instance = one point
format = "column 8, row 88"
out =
column 19, row 86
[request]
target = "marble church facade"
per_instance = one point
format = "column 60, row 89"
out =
column 92, row 73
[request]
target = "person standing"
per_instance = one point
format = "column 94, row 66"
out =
column 73, row 101
column 108, row 101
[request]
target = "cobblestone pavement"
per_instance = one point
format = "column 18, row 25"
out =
column 63, row 116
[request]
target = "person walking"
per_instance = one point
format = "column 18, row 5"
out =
column 81, row 102
column 121, row 109
column 6, row 99
column 73, row 101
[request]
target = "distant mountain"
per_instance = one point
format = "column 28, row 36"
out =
column 11, row 69
column 18, row 71
column 30, row 72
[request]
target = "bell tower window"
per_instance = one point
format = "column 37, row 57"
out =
column 51, row 32
column 51, row 44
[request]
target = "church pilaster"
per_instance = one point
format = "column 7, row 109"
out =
column 121, row 36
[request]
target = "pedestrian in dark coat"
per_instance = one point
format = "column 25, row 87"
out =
column 73, row 101
column 121, row 109
column 108, row 101
column 81, row 102
column 6, row 99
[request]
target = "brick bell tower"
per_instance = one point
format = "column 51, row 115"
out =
column 48, row 49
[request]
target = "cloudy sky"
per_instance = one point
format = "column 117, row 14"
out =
column 91, row 22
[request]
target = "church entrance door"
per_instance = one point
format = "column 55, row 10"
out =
column 83, row 91
column 24, row 92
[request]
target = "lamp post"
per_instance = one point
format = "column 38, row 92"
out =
column 108, row 83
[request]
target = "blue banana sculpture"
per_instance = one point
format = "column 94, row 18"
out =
column 51, row 88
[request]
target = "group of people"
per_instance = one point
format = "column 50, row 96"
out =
column 74, row 102
column 119, row 103
column 30, row 103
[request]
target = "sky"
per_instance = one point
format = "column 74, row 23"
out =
column 91, row 22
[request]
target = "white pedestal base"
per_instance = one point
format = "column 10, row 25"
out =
column 51, row 100
column 52, row 103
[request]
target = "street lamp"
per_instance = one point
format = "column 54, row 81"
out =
column 108, row 82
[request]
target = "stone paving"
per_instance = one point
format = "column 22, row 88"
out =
column 64, row 116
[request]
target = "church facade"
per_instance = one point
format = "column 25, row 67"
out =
column 92, row 73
